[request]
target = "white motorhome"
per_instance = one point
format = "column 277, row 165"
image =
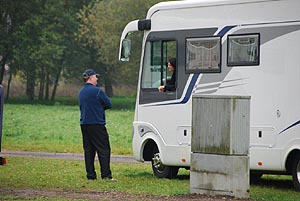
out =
column 222, row 47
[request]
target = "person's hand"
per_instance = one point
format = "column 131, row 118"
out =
column 161, row 88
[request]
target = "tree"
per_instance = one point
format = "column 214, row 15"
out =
column 47, row 48
column 101, row 27
column 37, row 41
column 13, row 14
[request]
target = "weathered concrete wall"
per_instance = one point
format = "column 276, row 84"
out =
column 220, row 125
column 214, row 174
column 220, row 146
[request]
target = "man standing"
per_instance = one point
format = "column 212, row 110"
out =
column 93, row 102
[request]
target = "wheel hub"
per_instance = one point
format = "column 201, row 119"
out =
column 157, row 163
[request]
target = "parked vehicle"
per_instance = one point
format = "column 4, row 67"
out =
column 222, row 47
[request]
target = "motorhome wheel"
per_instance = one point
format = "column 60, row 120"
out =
column 159, row 169
column 296, row 172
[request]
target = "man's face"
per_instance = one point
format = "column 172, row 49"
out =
column 93, row 79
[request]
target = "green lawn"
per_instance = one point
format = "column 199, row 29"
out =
column 56, row 129
column 133, row 178
column 69, row 175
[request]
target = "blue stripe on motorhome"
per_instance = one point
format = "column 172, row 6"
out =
column 190, row 89
column 187, row 94
column 294, row 124
column 195, row 76
column 225, row 30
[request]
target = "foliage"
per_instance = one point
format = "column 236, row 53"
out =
column 101, row 27
column 13, row 14
column 37, row 42
column 42, row 41
column 45, row 43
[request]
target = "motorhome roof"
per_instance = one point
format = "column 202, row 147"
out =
column 195, row 3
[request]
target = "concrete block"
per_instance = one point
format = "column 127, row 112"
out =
column 213, row 174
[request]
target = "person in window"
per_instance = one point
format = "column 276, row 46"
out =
column 170, row 85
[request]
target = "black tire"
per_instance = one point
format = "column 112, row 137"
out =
column 296, row 172
column 160, row 170
column 255, row 177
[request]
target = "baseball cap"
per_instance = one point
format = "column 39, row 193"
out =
column 89, row 72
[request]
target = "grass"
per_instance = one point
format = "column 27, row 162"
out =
column 56, row 129
column 133, row 178
column 274, row 187
column 39, row 174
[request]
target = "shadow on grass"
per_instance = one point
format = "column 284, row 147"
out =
column 146, row 174
column 280, row 184
column 183, row 177
column 139, row 174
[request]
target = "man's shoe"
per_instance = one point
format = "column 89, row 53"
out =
column 109, row 178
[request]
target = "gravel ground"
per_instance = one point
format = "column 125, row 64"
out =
column 66, row 156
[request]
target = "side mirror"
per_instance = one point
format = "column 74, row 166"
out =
column 126, row 48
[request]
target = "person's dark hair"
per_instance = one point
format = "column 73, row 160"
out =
column 172, row 61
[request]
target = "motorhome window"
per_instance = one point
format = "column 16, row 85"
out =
column 155, row 71
column 203, row 55
column 243, row 50
column 156, row 53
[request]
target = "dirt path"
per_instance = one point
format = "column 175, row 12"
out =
column 94, row 195
column 30, row 194
column 66, row 156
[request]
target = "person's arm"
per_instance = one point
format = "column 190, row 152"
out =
column 104, row 100
column 170, row 87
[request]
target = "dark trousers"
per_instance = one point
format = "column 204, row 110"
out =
column 95, row 139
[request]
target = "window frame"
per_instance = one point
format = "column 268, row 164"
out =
column 243, row 63
column 163, row 65
column 204, row 70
